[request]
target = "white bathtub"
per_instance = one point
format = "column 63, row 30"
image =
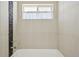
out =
column 37, row 53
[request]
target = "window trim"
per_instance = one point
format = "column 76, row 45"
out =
column 39, row 5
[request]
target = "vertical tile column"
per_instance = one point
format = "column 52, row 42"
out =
column 10, row 28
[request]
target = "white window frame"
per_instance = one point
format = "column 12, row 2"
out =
column 39, row 5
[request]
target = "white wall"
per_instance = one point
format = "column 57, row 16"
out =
column 69, row 28
column 3, row 29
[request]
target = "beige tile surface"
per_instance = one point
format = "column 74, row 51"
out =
column 69, row 28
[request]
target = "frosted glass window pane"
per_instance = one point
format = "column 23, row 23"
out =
column 44, row 15
column 26, row 9
column 44, row 9
column 29, row 15
column 37, row 15
column 37, row 12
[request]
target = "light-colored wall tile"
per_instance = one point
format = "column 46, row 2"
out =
column 69, row 28
column 3, row 29
column 36, row 33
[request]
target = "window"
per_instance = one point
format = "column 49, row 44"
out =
column 37, row 11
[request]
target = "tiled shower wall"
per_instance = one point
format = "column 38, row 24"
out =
column 69, row 28
column 36, row 34
column 3, row 29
